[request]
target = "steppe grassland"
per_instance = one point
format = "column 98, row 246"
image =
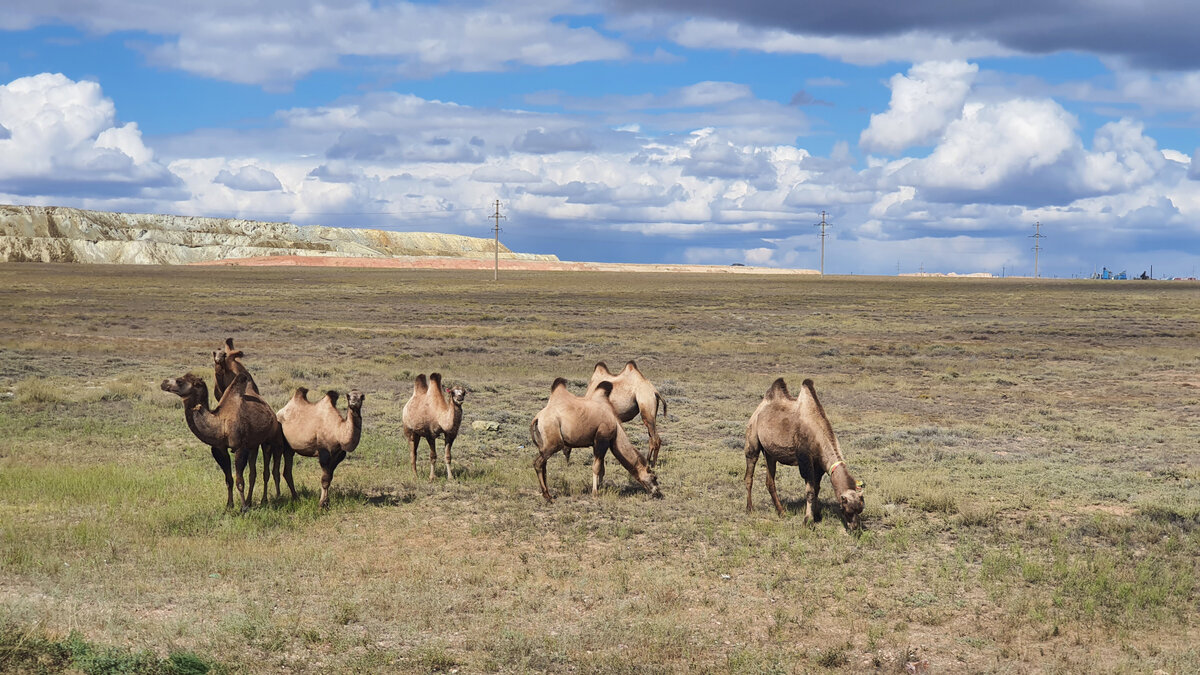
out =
column 1029, row 450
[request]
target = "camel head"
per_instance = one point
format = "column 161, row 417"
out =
column 457, row 395
column 354, row 400
column 651, row 484
column 186, row 386
column 851, row 502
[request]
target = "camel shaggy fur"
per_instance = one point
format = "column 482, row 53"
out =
column 796, row 432
column 241, row 422
column 632, row 394
column 570, row 421
column 428, row 414
column 319, row 430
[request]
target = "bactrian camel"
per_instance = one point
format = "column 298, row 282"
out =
column 428, row 414
column 241, row 422
column 632, row 394
column 796, row 432
column 319, row 430
column 570, row 421
column 227, row 365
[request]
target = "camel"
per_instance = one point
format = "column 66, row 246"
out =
column 796, row 432
column 570, row 421
column 241, row 422
column 226, row 366
column 429, row 414
column 632, row 393
column 319, row 430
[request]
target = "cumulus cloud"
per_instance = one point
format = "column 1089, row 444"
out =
column 1156, row 33
column 923, row 102
column 249, row 179
column 275, row 43
column 62, row 138
column 502, row 174
column 1194, row 167
column 541, row 141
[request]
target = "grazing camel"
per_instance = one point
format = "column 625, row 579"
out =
column 570, row 421
column 796, row 432
column 632, row 393
column 319, row 430
column 241, row 422
column 429, row 414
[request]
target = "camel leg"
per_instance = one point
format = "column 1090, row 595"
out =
column 267, row 451
column 276, row 455
column 812, row 507
column 430, row 439
column 328, row 462
column 539, row 467
column 288, row 456
column 222, row 457
column 598, row 453
column 252, row 463
column 751, row 461
column 446, row 449
column 566, row 455
column 651, row 428
column 771, row 485
column 239, row 459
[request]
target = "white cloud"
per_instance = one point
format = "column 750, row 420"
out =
column 923, row 103
column 249, row 179
column 275, row 43
column 62, row 138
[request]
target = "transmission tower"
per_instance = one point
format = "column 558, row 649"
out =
column 822, row 225
column 496, row 230
column 1037, row 245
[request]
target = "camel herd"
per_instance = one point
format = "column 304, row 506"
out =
column 788, row 430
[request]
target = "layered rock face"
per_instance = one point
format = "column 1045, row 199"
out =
column 61, row 234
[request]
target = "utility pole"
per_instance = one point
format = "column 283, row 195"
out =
column 1037, row 245
column 496, row 229
column 822, row 225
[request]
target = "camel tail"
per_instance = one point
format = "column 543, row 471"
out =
column 658, row 399
column 536, row 434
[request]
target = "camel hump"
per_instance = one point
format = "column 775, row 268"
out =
column 631, row 365
column 605, row 388
column 808, row 384
column 779, row 389
column 561, row 382
column 420, row 384
column 332, row 396
column 229, row 344
column 435, row 381
column 300, row 393
column 600, row 366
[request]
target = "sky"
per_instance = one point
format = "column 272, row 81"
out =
column 931, row 135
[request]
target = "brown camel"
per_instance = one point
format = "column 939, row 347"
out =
column 227, row 365
column 570, row 421
column 429, row 414
column 632, row 393
column 796, row 432
column 240, row 423
column 319, row 430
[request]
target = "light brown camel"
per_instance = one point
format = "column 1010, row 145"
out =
column 429, row 414
column 240, row 423
column 227, row 365
column 570, row 421
column 796, row 432
column 319, row 430
column 632, row 393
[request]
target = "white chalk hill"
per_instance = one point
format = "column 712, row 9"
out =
column 61, row 234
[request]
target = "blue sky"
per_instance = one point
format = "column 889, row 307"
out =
column 934, row 134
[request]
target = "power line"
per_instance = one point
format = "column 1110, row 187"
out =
column 1037, row 245
column 822, row 225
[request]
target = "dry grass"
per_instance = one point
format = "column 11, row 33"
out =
column 1028, row 449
